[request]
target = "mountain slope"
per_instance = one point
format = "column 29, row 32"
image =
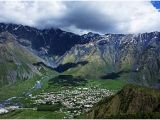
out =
column 16, row 62
column 46, row 42
column 132, row 102
column 136, row 55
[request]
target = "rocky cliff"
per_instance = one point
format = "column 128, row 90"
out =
column 131, row 102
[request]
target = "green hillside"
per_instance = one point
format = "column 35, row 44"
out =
column 17, row 72
column 15, row 61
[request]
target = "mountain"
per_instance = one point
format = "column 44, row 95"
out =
column 16, row 61
column 131, row 102
column 46, row 41
column 27, row 52
column 137, row 55
column 134, row 56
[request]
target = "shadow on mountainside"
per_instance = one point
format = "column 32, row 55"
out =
column 68, row 80
column 63, row 67
column 113, row 75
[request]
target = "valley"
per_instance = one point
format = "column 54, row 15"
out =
column 95, row 76
column 76, row 100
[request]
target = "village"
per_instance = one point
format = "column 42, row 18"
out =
column 76, row 101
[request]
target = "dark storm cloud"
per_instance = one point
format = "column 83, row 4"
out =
column 87, row 17
column 82, row 17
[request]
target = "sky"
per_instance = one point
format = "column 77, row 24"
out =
column 156, row 4
column 84, row 16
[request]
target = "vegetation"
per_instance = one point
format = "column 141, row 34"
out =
column 16, row 61
column 17, row 89
column 33, row 114
column 20, row 88
column 130, row 102
column 140, row 115
column 68, row 80
column 108, row 84
column 63, row 67
column 49, row 107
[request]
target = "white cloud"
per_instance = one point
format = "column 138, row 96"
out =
column 81, row 17
column 31, row 13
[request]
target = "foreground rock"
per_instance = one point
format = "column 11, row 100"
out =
column 131, row 102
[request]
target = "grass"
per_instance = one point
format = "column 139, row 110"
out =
column 16, row 63
column 151, row 115
column 20, row 87
column 49, row 107
column 33, row 114
column 25, row 101
column 17, row 89
column 100, row 83
column 107, row 84
column 110, row 84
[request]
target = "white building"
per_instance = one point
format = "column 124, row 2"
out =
column 3, row 111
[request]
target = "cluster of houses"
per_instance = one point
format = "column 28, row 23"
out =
column 8, row 109
column 76, row 100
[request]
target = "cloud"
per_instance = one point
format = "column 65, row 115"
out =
column 31, row 13
column 81, row 17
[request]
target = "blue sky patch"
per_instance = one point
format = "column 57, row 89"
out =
column 156, row 4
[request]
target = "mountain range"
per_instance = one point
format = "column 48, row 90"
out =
column 136, row 55
column 35, row 61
